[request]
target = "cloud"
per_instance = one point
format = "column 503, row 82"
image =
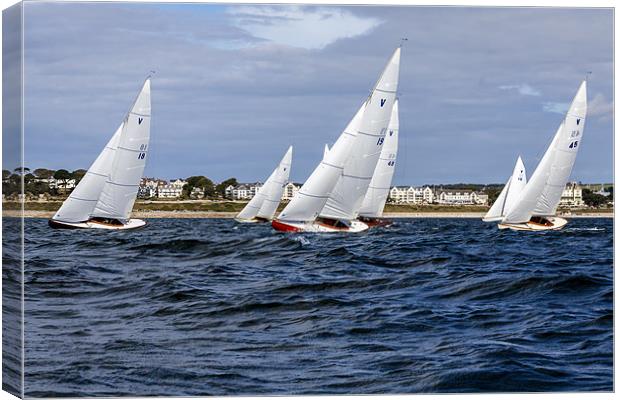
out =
column 228, row 103
column 309, row 28
column 600, row 107
column 524, row 89
column 556, row 108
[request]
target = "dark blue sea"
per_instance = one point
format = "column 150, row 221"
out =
column 211, row 307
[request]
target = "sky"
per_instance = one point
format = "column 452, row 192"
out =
column 235, row 85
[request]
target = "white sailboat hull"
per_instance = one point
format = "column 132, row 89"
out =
column 255, row 220
column 133, row 223
column 553, row 223
column 317, row 227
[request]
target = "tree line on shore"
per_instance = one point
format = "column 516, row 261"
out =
column 36, row 183
column 209, row 189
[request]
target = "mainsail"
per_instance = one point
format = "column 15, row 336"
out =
column 311, row 198
column 542, row 194
column 347, row 196
column 379, row 188
column 266, row 201
column 121, row 186
column 509, row 194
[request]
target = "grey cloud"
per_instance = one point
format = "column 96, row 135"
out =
column 224, row 110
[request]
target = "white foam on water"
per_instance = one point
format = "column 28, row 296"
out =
column 301, row 240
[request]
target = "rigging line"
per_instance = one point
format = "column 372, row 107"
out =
column 542, row 150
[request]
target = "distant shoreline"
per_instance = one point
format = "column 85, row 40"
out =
column 229, row 215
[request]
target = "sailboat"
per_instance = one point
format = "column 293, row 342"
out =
column 532, row 206
column 509, row 194
column 371, row 212
column 264, row 204
column 331, row 197
column 106, row 194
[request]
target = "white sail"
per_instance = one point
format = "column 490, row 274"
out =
column 379, row 188
column 121, row 186
column 275, row 187
column 267, row 199
column 346, row 199
column 251, row 209
column 79, row 206
column 509, row 194
column 496, row 212
column 542, row 194
column 325, row 151
column 311, row 198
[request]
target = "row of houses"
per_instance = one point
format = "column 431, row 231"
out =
column 53, row 183
column 572, row 196
column 161, row 189
column 158, row 188
column 398, row 194
column 245, row 191
column 427, row 195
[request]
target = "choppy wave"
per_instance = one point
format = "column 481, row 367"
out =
column 208, row 307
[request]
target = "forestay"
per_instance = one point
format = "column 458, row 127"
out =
column 379, row 187
column 346, row 198
column 542, row 194
column 121, row 186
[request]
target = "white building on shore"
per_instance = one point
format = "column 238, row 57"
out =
column 572, row 196
column 290, row 190
column 169, row 192
column 173, row 190
column 160, row 188
column 149, row 187
column 54, row 183
column 411, row 195
column 461, row 197
column 243, row 191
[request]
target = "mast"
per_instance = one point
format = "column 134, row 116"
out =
column 346, row 199
column 121, row 186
